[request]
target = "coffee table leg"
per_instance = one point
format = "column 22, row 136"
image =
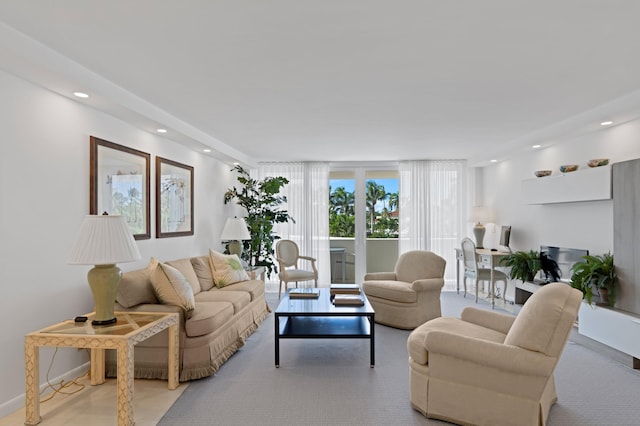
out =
column 372, row 349
column 277, row 340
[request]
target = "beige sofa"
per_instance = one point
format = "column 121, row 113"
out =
column 213, row 326
column 487, row 368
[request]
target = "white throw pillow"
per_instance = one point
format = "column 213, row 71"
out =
column 226, row 269
column 172, row 288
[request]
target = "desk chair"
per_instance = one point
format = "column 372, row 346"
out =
column 475, row 273
column 288, row 255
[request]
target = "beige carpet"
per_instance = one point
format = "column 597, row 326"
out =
column 96, row 405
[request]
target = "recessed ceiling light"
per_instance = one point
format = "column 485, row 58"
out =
column 606, row 123
column 536, row 146
column 494, row 161
column 80, row 95
column 206, row 150
column 235, row 163
column 162, row 130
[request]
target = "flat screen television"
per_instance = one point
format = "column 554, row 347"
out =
column 562, row 259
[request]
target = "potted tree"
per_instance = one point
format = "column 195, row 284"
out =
column 262, row 200
column 596, row 272
column 524, row 264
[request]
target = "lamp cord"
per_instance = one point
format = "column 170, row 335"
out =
column 60, row 387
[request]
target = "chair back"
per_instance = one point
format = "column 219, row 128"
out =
column 419, row 264
column 469, row 256
column 287, row 252
column 544, row 322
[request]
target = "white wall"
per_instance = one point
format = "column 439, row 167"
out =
column 44, row 195
column 576, row 225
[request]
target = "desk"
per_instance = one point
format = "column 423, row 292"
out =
column 486, row 259
column 130, row 328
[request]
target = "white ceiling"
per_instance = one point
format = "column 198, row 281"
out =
column 338, row 80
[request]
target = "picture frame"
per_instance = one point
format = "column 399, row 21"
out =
column 119, row 184
column 174, row 198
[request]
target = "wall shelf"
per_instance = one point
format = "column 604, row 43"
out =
column 589, row 184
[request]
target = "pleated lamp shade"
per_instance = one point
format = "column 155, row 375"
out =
column 104, row 240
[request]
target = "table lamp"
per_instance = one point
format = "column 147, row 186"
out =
column 235, row 230
column 479, row 215
column 104, row 241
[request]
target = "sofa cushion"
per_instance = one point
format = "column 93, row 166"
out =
column 226, row 269
column 418, row 337
column 172, row 288
column 239, row 299
column 135, row 287
column 208, row 317
column 186, row 268
column 397, row 291
column 203, row 271
column 254, row 287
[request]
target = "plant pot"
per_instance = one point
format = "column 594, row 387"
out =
column 604, row 295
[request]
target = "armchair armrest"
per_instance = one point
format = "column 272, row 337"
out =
column 512, row 359
column 312, row 260
column 488, row 319
column 427, row 284
column 380, row 276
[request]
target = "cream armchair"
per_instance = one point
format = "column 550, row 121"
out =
column 488, row 368
column 410, row 295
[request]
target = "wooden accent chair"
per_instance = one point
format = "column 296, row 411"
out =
column 288, row 255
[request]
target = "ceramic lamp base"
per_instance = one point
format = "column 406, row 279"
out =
column 478, row 233
column 104, row 281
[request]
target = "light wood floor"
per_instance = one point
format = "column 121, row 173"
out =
column 96, row 405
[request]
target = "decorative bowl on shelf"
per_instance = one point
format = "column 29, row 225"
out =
column 568, row 168
column 597, row 162
column 543, row 173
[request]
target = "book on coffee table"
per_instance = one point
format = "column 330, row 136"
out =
column 304, row 293
column 348, row 300
column 344, row 289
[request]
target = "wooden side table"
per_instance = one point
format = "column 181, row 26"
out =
column 130, row 329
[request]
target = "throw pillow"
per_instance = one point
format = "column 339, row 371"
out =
column 203, row 271
column 135, row 287
column 172, row 288
column 226, row 269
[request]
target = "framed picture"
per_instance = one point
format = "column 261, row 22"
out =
column 174, row 199
column 119, row 184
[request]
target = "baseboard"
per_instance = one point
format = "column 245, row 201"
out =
column 18, row 402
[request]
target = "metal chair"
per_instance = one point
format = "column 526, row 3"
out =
column 288, row 255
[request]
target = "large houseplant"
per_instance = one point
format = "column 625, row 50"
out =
column 262, row 200
column 524, row 264
column 596, row 272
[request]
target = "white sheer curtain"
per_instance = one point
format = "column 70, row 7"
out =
column 433, row 206
column 308, row 203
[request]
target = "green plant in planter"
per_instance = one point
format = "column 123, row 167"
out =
column 524, row 264
column 262, row 200
column 595, row 272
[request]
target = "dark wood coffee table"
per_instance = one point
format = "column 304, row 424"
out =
column 320, row 319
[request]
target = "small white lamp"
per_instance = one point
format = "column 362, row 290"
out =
column 235, row 230
column 480, row 215
column 104, row 241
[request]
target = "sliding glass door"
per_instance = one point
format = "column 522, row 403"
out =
column 363, row 222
